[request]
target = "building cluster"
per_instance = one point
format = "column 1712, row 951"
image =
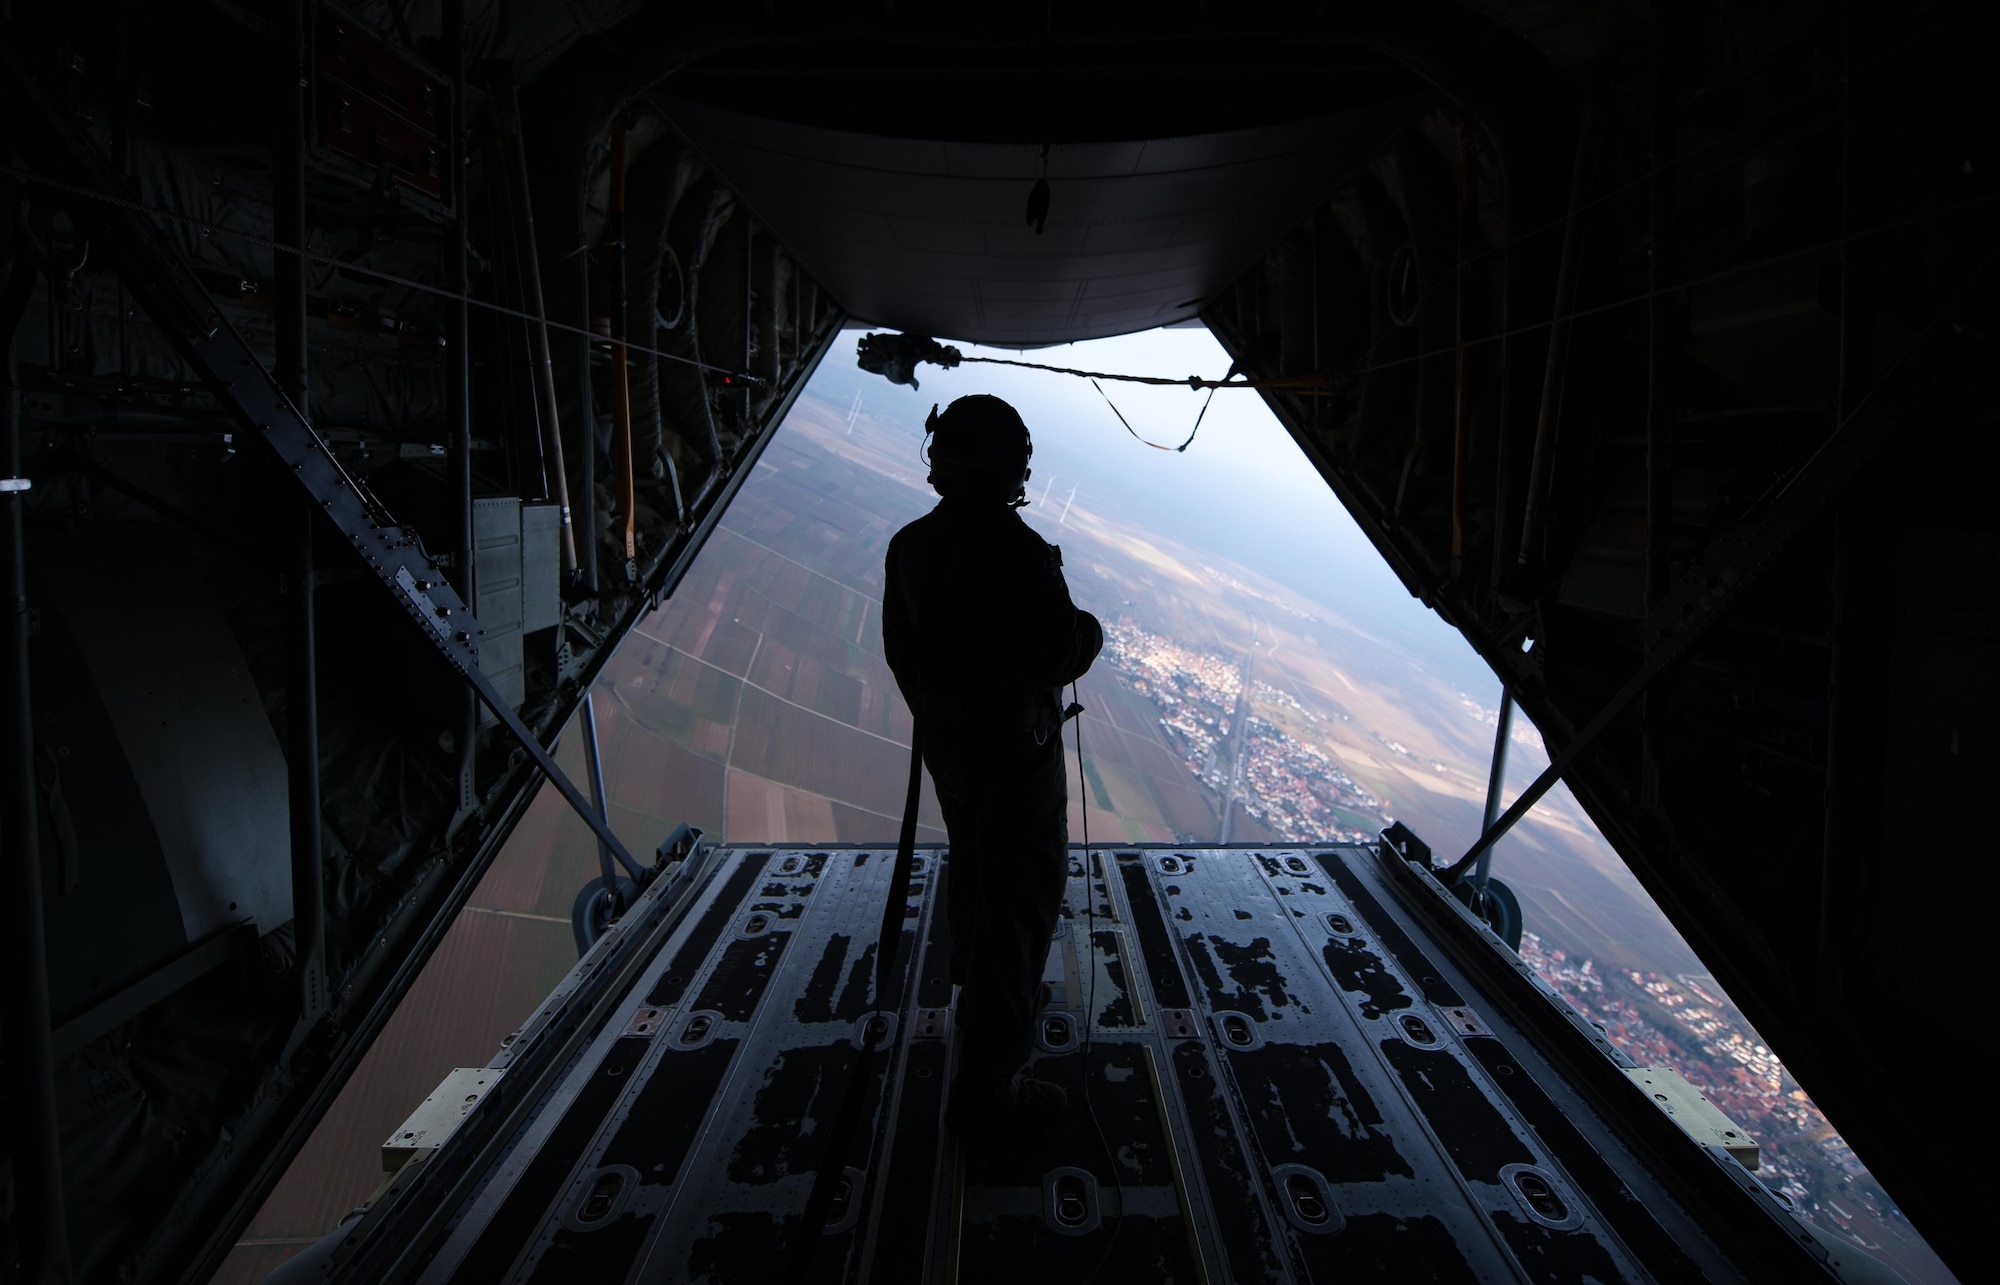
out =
column 1164, row 668
column 1301, row 792
column 1297, row 790
column 1684, row 1023
column 1195, row 692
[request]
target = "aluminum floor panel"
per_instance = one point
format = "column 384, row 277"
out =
column 1272, row 1077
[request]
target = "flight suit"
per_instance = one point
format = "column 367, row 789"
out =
column 979, row 629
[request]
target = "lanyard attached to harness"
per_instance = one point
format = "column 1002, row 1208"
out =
column 840, row 1139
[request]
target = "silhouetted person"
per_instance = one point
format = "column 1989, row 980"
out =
column 979, row 628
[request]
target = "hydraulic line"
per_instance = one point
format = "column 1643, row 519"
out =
column 538, row 326
column 586, row 407
column 621, row 387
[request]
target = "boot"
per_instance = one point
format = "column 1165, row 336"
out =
column 1020, row 1105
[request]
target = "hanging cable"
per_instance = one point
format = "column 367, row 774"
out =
column 1339, row 382
column 1135, row 432
column 896, row 357
column 1306, row 384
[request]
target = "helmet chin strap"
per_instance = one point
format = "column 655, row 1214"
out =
column 930, row 429
column 1020, row 500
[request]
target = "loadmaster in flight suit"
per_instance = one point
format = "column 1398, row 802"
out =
column 979, row 628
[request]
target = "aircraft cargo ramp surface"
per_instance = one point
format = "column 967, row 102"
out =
column 1282, row 1065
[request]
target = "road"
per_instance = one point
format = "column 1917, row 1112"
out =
column 1239, row 734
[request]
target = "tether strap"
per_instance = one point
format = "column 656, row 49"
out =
column 891, row 933
column 812, row 1223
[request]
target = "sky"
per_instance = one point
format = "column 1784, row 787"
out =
column 1242, row 487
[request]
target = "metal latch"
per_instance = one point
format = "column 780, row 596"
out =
column 1699, row 1118
column 440, row 1115
column 1464, row 1021
column 644, row 1021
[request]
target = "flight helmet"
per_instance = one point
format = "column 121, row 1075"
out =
column 978, row 447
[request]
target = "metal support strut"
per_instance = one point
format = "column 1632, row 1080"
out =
column 507, row 103
column 594, row 765
column 1496, row 777
column 1734, row 559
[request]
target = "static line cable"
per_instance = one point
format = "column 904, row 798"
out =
column 341, row 265
column 896, row 357
column 1280, row 383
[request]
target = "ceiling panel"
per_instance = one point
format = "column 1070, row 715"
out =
column 931, row 236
